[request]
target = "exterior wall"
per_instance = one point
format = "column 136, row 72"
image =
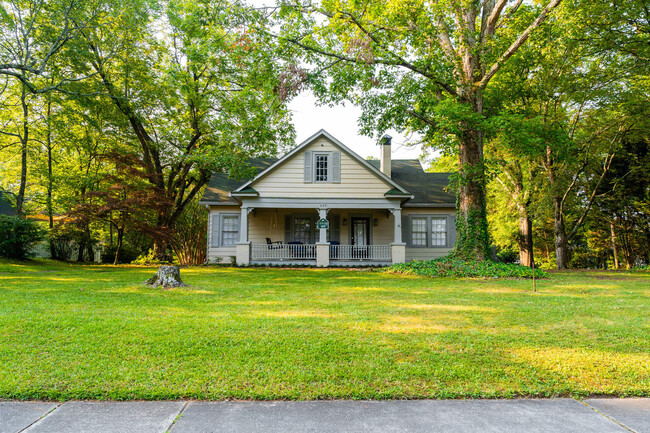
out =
column 287, row 180
column 425, row 253
column 223, row 253
column 270, row 223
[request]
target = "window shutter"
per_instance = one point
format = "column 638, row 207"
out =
column 335, row 228
column 215, row 230
column 287, row 228
column 308, row 166
column 336, row 167
column 406, row 230
column 451, row 231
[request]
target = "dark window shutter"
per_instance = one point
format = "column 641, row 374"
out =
column 216, row 234
column 314, row 234
column 308, row 167
column 451, row 231
column 336, row 167
column 335, row 228
column 287, row 228
column 406, row 230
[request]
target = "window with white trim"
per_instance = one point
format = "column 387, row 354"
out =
column 438, row 232
column 321, row 167
column 419, row 231
column 429, row 231
column 229, row 230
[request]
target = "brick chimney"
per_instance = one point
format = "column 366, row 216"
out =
column 385, row 161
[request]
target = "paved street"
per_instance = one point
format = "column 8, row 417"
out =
column 522, row 415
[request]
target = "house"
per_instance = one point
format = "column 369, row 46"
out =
column 321, row 204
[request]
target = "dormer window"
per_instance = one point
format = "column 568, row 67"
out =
column 321, row 167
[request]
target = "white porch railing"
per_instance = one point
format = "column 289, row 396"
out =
column 283, row 252
column 356, row 252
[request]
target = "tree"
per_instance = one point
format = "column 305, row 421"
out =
column 424, row 67
column 16, row 128
column 32, row 34
column 196, row 88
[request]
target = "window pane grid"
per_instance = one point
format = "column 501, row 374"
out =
column 419, row 232
column 229, row 230
column 438, row 232
column 321, row 168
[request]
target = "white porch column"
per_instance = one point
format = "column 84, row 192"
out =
column 397, row 248
column 322, row 246
column 397, row 216
column 322, row 214
column 243, row 246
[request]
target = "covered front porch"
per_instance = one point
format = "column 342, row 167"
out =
column 346, row 236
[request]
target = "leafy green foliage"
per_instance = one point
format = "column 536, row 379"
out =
column 455, row 267
column 18, row 236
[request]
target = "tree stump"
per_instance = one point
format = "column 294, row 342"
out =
column 167, row 276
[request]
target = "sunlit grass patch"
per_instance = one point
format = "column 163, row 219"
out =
column 73, row 331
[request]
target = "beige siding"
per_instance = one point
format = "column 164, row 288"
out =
column 426, row 253
column 287, row 180
column 224, row 253
column 267, row 223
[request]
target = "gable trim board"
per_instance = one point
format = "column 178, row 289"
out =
column 336, row 143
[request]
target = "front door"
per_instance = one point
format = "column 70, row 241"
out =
column 361, row 231
column 360, row 237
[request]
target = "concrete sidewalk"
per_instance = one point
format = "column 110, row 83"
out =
column 556, row 415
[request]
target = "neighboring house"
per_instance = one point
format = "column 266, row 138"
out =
column 6, row 205
column 322, row 204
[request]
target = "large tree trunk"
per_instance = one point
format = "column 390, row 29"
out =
column 472, row 241
column 611, row 228
column 525, row 237
column 561, row 240
column 118, row 247
column 24, row 138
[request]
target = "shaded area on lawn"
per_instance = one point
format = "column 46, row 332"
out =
column 96, row 332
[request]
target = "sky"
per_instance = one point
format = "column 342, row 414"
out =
column 341, row 122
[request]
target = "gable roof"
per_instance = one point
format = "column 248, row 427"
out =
column 427, row 189
column 218, row 189
column 322, row 133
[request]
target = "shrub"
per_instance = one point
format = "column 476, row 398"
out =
column 18, row 237
column 127, row 254
column 148, row 258
column 508, row 256
column 66, row 240
column 455, row 267
column 189, row 241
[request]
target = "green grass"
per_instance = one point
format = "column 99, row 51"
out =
column 93, row 332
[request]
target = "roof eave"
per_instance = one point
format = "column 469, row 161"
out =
column 430, row 204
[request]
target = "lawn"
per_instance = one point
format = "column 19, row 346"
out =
column 93, row 332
